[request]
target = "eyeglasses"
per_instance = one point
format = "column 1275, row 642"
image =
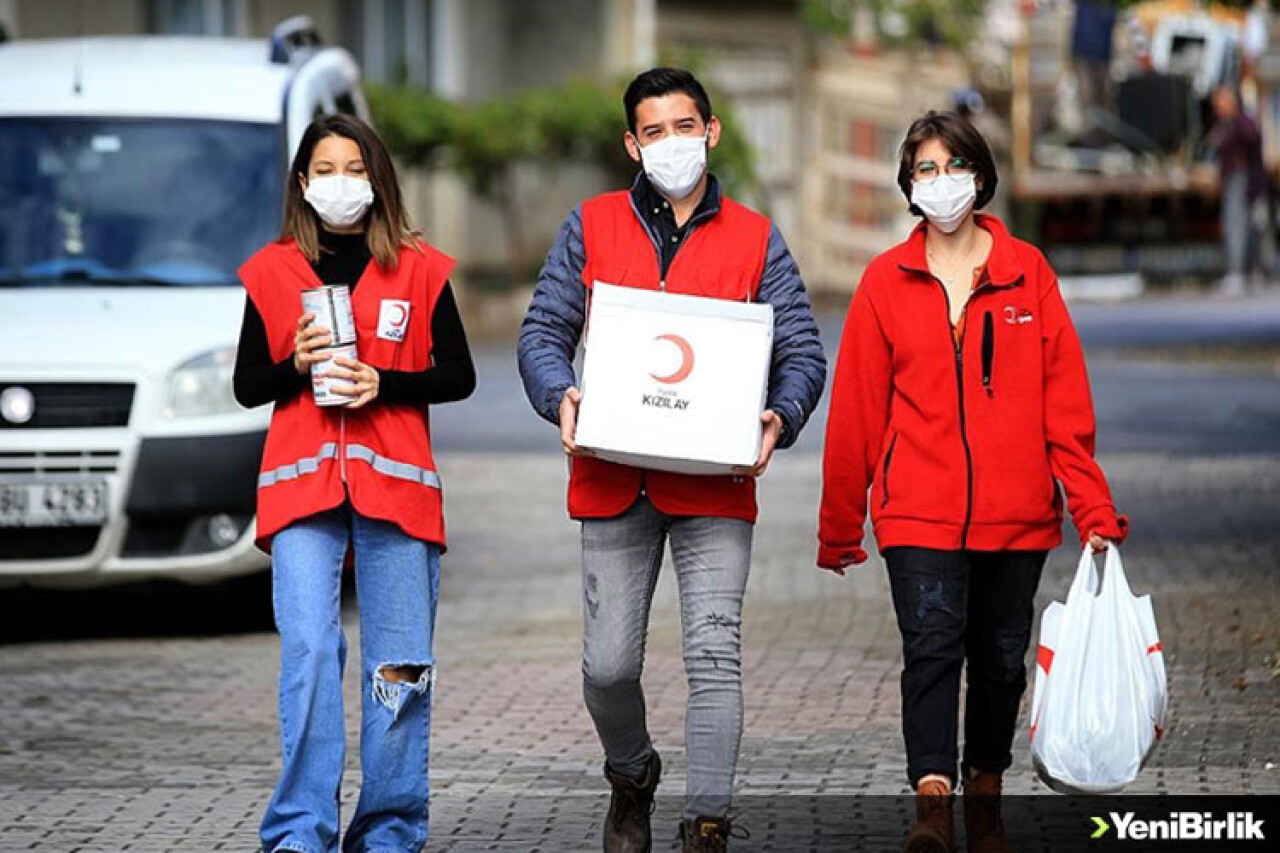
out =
column 926, row 170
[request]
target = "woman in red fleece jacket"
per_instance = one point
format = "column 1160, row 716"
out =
column 961, row 403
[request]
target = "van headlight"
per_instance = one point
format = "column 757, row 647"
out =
column 202, row 386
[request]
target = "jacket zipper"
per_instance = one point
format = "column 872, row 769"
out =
column 958, row 345
column 657, row 248
column 888, row 456
column 653, row 238
column 662, row 286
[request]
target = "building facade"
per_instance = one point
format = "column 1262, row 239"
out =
column 824, row 117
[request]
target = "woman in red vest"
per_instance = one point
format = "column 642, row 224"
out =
column 357, row 478
column 962, row 403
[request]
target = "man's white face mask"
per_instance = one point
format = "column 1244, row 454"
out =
column 340, row 200
column 674, row 164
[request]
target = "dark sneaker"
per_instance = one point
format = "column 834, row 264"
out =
column 626, row 827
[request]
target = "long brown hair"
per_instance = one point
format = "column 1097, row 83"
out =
column 386, row 225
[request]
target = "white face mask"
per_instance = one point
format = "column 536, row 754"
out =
column 340, row 200
column 946, row 200
column 675, row 164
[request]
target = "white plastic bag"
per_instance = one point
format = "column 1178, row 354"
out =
column 1100, row 695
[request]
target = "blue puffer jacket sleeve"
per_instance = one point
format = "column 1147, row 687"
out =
column 553, row 324
column 799, row 370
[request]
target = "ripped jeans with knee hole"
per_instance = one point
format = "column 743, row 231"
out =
column 969, row 610
column 397, row 585
column 621, row 557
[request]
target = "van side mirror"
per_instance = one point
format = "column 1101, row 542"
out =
column 292, row 37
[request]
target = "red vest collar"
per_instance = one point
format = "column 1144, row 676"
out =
column 292, row 256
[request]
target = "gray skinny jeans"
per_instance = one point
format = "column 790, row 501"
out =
column 621, row 557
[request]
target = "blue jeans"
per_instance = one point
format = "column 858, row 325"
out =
column 621, row 557
column 397, row 584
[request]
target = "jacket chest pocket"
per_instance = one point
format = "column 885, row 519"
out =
column 988, row 351
column 1009, row 346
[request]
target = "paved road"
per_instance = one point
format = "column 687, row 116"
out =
column 146, row 729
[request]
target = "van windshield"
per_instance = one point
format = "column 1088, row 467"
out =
column 121, row 201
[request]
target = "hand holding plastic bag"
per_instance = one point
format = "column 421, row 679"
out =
column 1100, row 692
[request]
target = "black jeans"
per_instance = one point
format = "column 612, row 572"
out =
column 953, row 606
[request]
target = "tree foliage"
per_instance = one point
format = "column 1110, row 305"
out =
column 486, row 142
column 901, row 23
column 580, row 121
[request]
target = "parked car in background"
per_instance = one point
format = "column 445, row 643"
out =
column 136, row 175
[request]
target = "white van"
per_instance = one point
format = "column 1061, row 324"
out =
column 136, row 175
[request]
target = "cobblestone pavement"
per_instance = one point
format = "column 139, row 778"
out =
column 138, row 742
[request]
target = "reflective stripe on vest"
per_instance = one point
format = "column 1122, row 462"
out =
column 392, row 468
column 294, row 470
column 359, row 452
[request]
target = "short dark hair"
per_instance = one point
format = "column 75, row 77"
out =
column 657, row 82
column 962, row 140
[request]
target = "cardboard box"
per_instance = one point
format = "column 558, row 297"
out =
column 674, row 382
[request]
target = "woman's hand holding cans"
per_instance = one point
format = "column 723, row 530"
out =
column 363, row 378
column 308, row 339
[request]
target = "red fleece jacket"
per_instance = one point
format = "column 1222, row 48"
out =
column 961, row 446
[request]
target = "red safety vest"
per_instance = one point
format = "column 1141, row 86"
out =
column 722, row 258
column 378, row 456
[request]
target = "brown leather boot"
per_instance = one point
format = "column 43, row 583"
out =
column 626, row 827
column 934, row 830
column 704, row 835
column 983, row 825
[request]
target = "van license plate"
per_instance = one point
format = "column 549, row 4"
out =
column 53, row 503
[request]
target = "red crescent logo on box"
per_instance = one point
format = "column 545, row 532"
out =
column 686, row 360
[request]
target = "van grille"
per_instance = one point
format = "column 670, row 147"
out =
column 59, row 462
column 48, row 543
column 61, row 405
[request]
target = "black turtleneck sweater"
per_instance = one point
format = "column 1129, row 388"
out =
column 343, row 258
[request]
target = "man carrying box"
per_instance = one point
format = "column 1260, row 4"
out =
column 672, row 231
